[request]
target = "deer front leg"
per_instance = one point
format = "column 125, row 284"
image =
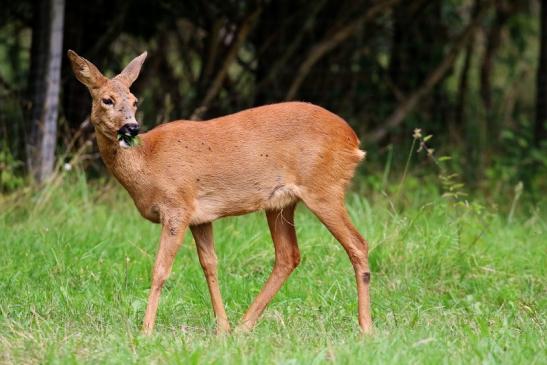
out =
column 171, row 239
column 203, row 235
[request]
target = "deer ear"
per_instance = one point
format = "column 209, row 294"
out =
column 131, row 71
column 85, row 71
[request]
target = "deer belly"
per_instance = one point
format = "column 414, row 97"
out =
column 229, row 203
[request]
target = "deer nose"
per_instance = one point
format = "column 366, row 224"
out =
column 129, row 129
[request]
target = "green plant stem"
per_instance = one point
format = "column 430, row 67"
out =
column 405, row 171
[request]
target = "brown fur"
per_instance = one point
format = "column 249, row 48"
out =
column 188, row 174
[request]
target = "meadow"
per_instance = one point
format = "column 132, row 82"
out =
column 452, row 282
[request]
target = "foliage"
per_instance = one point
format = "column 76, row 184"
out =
column 212, row 58
column 10, row 179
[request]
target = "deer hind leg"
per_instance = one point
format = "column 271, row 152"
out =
column 203, row 235
column 287, row 258
column 333, row 214
column 171, row 239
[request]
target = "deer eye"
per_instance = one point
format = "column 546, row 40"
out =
column 107, row 101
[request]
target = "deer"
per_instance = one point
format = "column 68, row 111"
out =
column 186, row 174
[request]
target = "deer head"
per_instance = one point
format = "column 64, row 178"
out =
column 113, row 106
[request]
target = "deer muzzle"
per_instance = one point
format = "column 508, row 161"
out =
column 128, row 135
column 129, row 129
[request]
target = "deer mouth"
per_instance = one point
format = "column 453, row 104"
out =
column 128, row 135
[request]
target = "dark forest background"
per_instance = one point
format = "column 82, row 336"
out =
column 473, row 73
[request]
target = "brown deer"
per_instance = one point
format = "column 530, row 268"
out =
column 187, row 174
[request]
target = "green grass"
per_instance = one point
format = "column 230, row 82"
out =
column 451, row 284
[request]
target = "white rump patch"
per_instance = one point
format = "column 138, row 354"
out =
column 361, row 154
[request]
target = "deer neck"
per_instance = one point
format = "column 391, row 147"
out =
column 126, row 164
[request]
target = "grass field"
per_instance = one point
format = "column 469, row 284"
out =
column 450, row 284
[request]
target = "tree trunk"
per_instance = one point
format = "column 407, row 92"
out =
column 47, row 56
column 493, row 42
column 37, row 69
column 540, row 130
column 462, row 87
column 458, row 124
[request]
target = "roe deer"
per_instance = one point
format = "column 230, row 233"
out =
column 188, row 174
